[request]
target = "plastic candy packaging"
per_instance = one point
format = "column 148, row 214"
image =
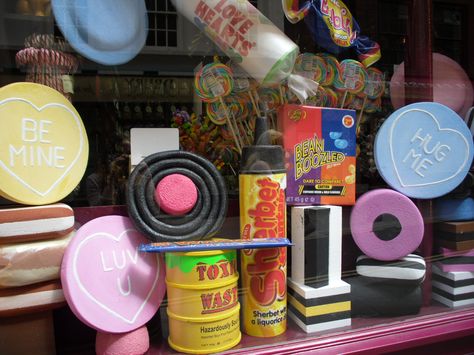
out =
column 332, row 27
column 250, row 39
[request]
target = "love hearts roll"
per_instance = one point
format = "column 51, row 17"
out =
column 244, row 34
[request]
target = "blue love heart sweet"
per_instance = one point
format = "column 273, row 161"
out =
column 423, row 150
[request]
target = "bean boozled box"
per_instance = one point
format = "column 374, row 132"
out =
column 320, row 145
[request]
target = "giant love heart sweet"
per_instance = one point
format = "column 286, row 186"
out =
column 108, row 283
column 424, row 150
column 45, row 144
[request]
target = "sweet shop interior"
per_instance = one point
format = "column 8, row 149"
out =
column 236, row 177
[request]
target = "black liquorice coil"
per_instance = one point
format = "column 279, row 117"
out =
column 206, row 217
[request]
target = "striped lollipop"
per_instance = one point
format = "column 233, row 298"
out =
column 333, row 70
column 332, row 98
column 353, row 77
column 213, row 81
column 374, row 87
column 216, row 112
column 310, row 66
column 269, row 98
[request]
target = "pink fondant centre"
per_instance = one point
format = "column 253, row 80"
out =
column 176, row 194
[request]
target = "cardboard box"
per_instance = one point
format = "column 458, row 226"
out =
column 320, row 145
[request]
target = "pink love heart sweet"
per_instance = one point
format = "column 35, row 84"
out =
column 108, row 283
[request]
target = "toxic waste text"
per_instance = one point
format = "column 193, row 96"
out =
column 221, row 269
column 219, row 299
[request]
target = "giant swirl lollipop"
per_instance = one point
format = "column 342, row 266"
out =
column 212, row 83
column 176, row 196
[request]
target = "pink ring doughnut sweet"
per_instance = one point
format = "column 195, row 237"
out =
column 386, row 225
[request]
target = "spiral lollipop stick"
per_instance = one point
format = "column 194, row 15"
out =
column 353, row 76
column 212, row 82
column 374, row 87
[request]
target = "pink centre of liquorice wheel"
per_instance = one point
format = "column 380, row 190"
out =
column 176, row 194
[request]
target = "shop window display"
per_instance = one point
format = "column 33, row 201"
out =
column 233, row 176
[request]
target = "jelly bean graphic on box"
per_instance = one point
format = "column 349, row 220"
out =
column 320, row 147
column 108, row 283
column 423, row 150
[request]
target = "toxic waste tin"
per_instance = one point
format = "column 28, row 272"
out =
column 203, row 302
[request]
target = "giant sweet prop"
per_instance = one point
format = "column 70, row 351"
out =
column 423, row 150
column 46, row 146
column 201, row 222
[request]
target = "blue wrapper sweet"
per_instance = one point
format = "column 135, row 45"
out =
column 333, row 27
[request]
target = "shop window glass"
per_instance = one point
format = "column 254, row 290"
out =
column 178, row 89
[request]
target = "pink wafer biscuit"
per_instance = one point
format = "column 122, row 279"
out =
column 29, row 263
column 33, row 298
column 457, row 260
column 176, row 194
column 35, row 223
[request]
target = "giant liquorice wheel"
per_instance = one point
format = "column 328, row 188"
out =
column 205, row 218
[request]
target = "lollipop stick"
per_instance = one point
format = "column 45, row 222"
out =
column 236, row 128
column 254, row 104
column 248, row 131
column 229, row 123
column 362, row 110
column 231, row 168
column 282, row 96
column 360, row 114
column 272, row 121
column 243, row 129
column 245, row 135
column 344, row 99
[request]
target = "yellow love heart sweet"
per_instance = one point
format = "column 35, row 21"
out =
column 44, row 144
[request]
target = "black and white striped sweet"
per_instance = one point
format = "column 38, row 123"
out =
column 410, row 269
column 452, row 288
column 316, row 233
column 319, row 309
